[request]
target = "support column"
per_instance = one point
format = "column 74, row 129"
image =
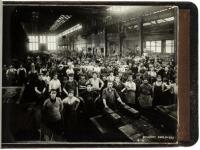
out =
column 121, row 39
column 175, row 35
column 106, row 42
column 67, row 44
column 163, row 46
column 122, row 36
column 140, row 42
column 70, row 45
column 73, row 43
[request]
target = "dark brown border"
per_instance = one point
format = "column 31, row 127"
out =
column 184, row 76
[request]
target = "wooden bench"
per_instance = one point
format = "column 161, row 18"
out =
column 130, row 111
column 112, row 116
column 12, row 94
column 95, row 120
column 131, row 132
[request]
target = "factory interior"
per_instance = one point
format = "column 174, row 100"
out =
column 112, row 68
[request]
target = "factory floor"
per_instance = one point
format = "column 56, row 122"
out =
column 19, row 125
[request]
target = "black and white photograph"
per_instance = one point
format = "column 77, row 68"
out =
column 89, row 74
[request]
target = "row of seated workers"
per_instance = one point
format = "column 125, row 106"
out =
column 64, row 96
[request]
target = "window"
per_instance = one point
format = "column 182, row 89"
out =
column 153, row 46
column 147, row 24
column 169, row 46
column 42, row 39
column 51, row 42
column 169, row 19
column 70, row 30
column 33, row 43
column 119, row 8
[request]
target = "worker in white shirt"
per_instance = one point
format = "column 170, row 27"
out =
column 55, row 84
column 96, row 82
column 130, row 88
column 111, row 77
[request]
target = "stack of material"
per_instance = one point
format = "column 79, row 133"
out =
column 99, row 123
column 107, row 130
column 130, row 111
column 113, row 116
column 131, row 132
column 167, row 117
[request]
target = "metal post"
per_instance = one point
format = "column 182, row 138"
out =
column 106, row 42
column 140, row 42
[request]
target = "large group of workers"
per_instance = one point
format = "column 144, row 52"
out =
column 62, row 89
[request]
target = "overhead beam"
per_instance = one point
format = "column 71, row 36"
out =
column 133, row 15
column 161, row 15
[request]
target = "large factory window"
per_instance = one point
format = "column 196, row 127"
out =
column 51, row 42
column 153, row 46
column 43, row 39
column 169, row 46
column 33, row 43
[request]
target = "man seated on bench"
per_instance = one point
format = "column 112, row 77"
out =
column 110, row 97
